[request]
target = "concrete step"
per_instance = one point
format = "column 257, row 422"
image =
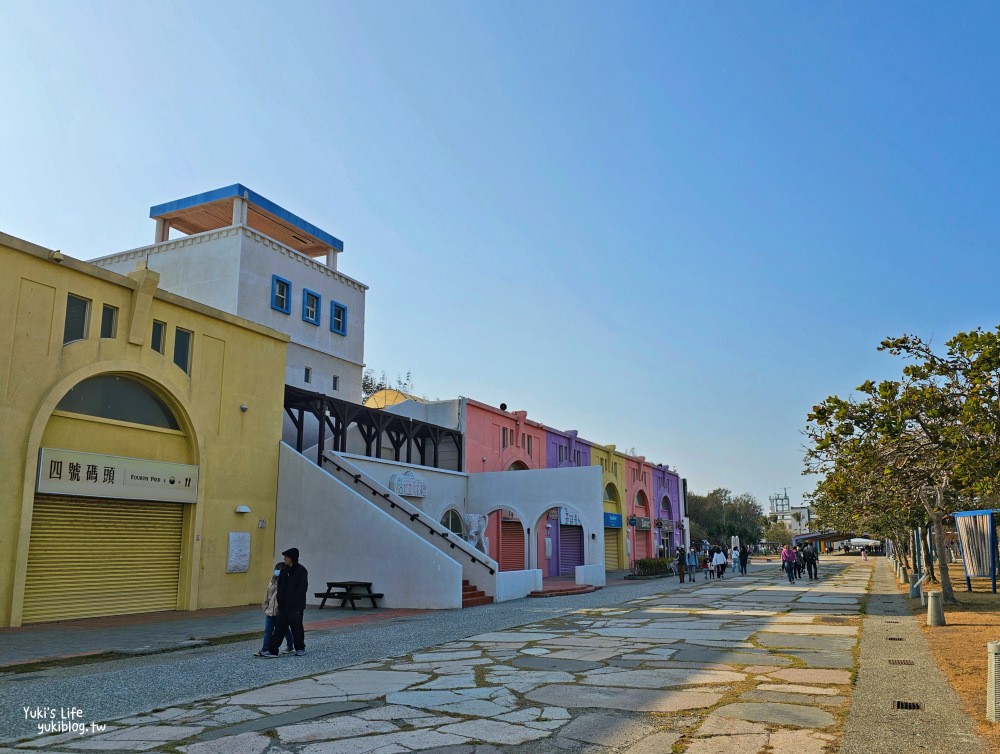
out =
column 559, row 591
column 476, row 601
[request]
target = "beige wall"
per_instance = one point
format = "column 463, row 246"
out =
column 234, row 362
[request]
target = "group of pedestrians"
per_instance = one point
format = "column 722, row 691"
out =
column 712, row 561
column 794, row 561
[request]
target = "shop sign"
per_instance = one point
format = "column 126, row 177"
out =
column 644, row 523
column 569, row 518
column 632, row 521
column 408, row 484
column 612, row 520
column 71, row 472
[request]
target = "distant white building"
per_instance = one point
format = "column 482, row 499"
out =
column 245, row 255
column 796, row 518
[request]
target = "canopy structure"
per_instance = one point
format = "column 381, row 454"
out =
column 821, row 536
column 977, row 538
column 212, row 210
column 863, row 541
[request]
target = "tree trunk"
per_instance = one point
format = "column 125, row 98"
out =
column 937, row 518
column 927, row 556
column 903, row 547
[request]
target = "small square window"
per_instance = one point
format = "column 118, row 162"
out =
column 158, row 340
column 281, row 294
column 336, row 382
column 308, row 376
column 109, row 321
column 77, row 318
column 311, row 306
column 338, row 318
column 182, row 348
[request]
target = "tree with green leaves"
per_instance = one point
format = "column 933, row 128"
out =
column 778, row 534
column 913, row 449
column 720, row 515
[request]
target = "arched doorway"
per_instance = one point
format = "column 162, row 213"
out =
column 108, row 520
column 612, row 529
column 560, row 542
column 642, row 532
column 505, row 539
column 518, row 466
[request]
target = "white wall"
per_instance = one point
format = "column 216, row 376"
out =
column 261, row 259
column 445, row 489
column 531, row 493
column 231, row 269
column 442, row 413
column 342, row 536
column 203, row 267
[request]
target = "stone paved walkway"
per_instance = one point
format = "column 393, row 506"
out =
column 746, row 665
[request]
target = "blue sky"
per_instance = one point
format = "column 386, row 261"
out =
column 672, row 226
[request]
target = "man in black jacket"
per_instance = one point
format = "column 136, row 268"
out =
column 293, row 585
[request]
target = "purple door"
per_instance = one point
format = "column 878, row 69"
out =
column 570, row 549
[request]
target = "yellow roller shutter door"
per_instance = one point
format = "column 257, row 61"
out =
column 101, row 557
column 611, row 549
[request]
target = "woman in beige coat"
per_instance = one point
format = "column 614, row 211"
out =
column 270, row 606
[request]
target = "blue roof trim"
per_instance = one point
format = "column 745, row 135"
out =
column 238, row 189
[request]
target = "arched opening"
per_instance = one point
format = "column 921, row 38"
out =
column 613, row 533
column 117, row 397
column 109, row 519
column 505, row 540
column 560, row 541
column 666, row 534
column 452, row 521
column 517, row 466
column 642, row 533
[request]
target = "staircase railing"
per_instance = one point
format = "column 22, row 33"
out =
column 403, row 510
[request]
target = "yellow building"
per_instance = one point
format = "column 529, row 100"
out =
column 139, row 451
column 612, row 464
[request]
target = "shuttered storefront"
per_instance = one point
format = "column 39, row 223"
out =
column 570, row 549
column 611, row 549
column 511, row 546
column 641, row 544
column 101, row 557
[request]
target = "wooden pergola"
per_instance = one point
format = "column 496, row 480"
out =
column 337, row 417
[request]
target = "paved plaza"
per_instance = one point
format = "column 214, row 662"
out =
column 745, row 664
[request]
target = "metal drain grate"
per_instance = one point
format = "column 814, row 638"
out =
column 894, row 638
column 902, row 662
column 906, row 705
column 892, row 621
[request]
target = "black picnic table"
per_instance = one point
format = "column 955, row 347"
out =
column 349, row 591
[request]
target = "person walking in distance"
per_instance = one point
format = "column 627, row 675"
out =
column 799, row 562
column 744, row 558
column 270, row 606
column 719, row 561
column 692, row 563
column 293, row 584
column 811, row 558
column 788, row 561
column 681, row 563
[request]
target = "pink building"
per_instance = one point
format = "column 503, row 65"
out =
column 500, row 440
column 638, row 493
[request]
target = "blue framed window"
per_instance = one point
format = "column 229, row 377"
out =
column 311, row 310
column 281, row 294
column 338, row 318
